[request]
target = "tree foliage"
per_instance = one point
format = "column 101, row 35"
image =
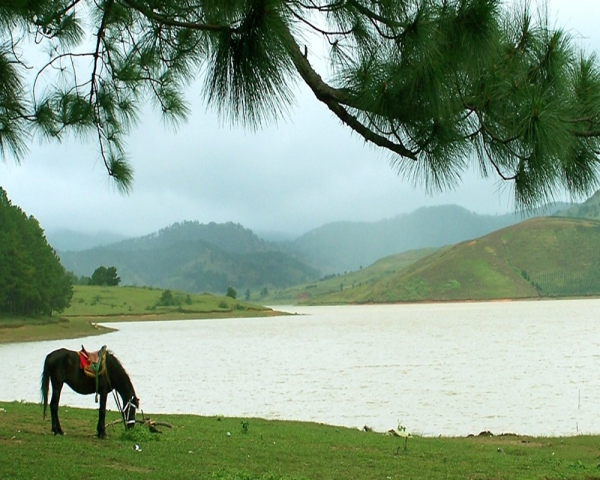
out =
column 105, row 276
column 231, row 293
column 441, row 84
column 32, row 279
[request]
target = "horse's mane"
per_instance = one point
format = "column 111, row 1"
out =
column 113, row 357
column 116, row 370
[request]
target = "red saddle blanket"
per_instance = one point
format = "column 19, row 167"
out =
column 84, row 360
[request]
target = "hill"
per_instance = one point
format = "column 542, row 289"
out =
column 334, row 283
column 348, row 246
column 588, row 209
column 196, row 258
column 540, row 257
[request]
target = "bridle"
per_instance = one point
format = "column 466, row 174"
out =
column 126, row 410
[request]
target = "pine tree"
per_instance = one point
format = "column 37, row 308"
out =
column 441, row 84
column 32, row 279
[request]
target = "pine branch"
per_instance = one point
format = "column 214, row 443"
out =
column 335, row 100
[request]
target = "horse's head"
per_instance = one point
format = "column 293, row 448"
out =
column 129, row 411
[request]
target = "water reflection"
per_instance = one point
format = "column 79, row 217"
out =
column 451, row 369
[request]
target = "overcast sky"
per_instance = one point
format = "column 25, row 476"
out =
column 291, row 177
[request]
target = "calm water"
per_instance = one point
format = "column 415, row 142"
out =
column 450, row 369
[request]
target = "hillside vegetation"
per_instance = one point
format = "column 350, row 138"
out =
column 540, row 257
column 329, row 284
column 196, row 258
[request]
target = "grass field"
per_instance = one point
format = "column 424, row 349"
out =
column 94, row 301
column 255, row 449
column 91, row 305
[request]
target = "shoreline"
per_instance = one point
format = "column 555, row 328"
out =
column 77, row 326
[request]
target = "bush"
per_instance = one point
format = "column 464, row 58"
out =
column 231, row 293
column 166, row 299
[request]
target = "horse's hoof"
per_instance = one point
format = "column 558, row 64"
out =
column 102, row 436
column 58, row 433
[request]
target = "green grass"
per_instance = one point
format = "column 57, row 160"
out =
column 91, row 305
column 200, row 447
column 94, row 301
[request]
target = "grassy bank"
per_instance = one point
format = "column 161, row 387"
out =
column 254, row 449
column 91, row 305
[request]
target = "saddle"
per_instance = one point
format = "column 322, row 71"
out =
column 93, row 363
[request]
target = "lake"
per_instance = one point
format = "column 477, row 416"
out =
column 527, row 367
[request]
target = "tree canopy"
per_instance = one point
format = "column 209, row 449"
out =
column 32, row 279
column 441, row 84
column 105, row 276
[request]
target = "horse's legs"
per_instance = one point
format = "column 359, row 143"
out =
column 102, row 416
column 56, row 389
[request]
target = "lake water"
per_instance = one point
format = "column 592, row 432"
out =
column 450, row 369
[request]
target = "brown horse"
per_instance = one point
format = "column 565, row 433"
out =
column 63, row 366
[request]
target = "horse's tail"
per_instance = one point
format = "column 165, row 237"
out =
column 45, row 384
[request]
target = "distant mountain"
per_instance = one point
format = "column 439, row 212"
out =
column 212, row 257
column 196, row 258
column 229, row 237
column 68, row 240
column 588, row 209
column 347, row 246
column 540, row 257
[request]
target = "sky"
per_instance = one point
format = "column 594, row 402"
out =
column 301, row 173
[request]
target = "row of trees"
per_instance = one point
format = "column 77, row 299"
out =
column 32, row 279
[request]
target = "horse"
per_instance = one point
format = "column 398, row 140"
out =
column 63, row 366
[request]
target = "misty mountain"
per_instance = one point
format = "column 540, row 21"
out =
column 211, row 257
column 196, row 258
column 588, row 209
column 347, row 246
column 68, row 240
column 229, row 237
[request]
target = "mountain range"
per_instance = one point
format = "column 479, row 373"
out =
column 537, row 258
column 211, row 257
column 195, row 257
column 348, row 246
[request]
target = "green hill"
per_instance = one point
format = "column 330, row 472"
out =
column 540, row 257
column 347, row 246
column 329, row 284
column 196, row 258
